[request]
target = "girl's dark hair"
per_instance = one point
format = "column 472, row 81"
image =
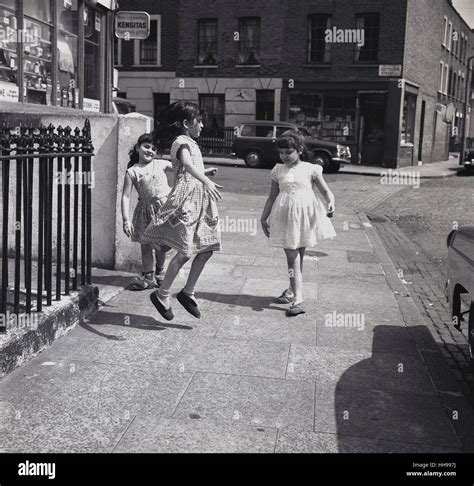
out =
column 170, row 122
column 134, row 158
column 293, row 139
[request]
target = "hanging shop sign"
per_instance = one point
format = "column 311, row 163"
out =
column 132, row 25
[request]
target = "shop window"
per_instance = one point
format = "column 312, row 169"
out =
column 93, row 28
column 408, row 121
column 9, row 90
column 67, row 92
column 265, row 104
column 249, row 40
column 207, row 41
column 213, row 107
column 148, row 51
column 318, row 48
column 117, row 52
column 306, row 109
column 370, row 24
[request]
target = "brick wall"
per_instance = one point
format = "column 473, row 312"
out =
column 169, row 32
column 272, row 15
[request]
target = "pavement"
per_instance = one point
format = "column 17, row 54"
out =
column 445, row 168
column 359, row 372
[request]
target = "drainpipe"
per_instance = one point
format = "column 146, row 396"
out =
column 467, row 99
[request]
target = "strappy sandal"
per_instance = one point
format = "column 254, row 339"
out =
column 286, row 297
column 143, row 282
column 295, row 310
column 189, row 304
column 166, row 313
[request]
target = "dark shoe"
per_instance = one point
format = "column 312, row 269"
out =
column 295, row 310
column 286, row 297
column 188, row 304
column 144, row 282
column 166, row 313
column 159, row 281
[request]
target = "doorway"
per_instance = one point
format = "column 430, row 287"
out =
column 422, row 130
column 372, row 107
column 160, row 102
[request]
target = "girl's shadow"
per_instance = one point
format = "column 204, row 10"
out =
column 255, row 302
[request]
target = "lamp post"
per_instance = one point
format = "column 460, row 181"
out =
column 467, row 95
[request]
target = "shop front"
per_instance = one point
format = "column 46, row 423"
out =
column 354, row 114
column 57, row 53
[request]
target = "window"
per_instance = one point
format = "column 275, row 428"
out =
column 65, row 83
column 265, row 109
column 455, row 77
column 370, row 23
column 459, row 92
column 306, row 109
column 318, row 48
column 214, row 112
column 463, row 86
column 148, row 51
column 450, row 81
column 207, row 42
column 445, row 31
column 117, row 52
column 450, row 34
column 441, row 76
column 446, row 76
column 408, row 121
column 249, row 40
column 265, row 131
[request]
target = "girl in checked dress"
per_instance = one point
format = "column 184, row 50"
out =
column 147, row 175
column 294, row 217
column 188, row 221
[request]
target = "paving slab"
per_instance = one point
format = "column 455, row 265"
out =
column 302, row 442
column 51, row 430
column 269, row 328
column 383, row 414
column 357, row 289
column 241, row 357
column 151, row 434
column 358, row 369
column 256, row 401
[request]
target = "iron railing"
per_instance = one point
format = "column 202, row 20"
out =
column 218, row 141
column 48, row 161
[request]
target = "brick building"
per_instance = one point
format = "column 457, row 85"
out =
column 390, row 94
column 147, row 67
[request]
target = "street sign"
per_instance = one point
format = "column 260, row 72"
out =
column 132, row 25
column 390, row 70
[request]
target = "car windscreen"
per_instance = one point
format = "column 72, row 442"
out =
column 257, row 131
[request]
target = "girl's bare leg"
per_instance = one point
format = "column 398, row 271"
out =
column 172, row 271
column 301, row 250
column 197, row 267
column 294, row 272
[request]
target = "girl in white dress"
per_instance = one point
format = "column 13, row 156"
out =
column 294, row 217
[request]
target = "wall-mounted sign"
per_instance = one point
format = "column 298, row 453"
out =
column 8, row 92
column 91, row 105
column 132, row 25
column 390, row 70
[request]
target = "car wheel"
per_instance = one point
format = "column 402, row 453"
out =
column 470, row 334
column 322, row 160
column 253, row 159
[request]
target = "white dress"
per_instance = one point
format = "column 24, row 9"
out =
column 298, row 217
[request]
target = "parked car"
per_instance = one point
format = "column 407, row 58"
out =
column 469, row 154
column 256, row 144
column 122, row 106
column 461, row 279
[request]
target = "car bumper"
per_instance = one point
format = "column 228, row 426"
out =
column 341, row 161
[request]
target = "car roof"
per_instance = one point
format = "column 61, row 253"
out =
column 269, row 123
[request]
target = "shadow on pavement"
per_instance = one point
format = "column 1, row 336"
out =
column 257, row 303
column 387, row 403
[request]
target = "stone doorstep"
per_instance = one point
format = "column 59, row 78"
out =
column 19, row 345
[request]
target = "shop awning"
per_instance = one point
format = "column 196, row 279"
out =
column 110, row 4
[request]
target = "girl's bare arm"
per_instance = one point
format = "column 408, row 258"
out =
column 127, row 189
column 274, row 191
column 324, row 189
